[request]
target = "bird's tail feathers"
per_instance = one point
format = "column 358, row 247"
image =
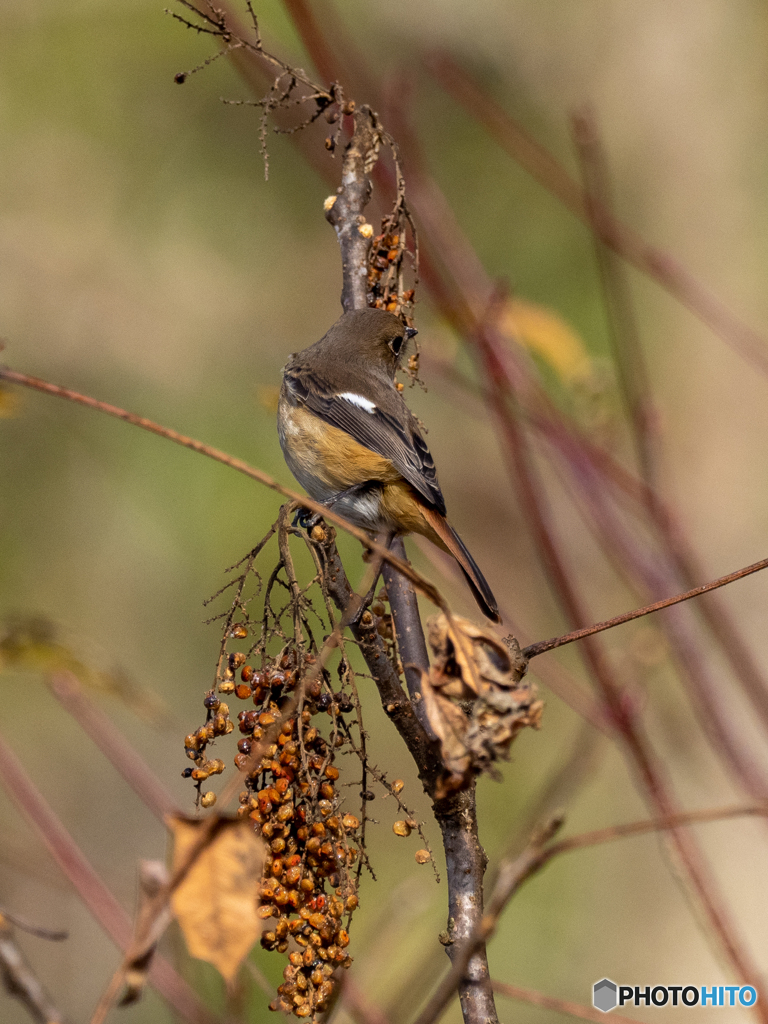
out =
column 455, row 546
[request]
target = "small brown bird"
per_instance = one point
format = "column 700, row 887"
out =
column 351, row 441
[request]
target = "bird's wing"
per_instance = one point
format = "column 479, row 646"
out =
column 395, row 437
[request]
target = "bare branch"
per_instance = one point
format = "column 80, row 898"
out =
column 21, row 982
column 657, row 264
column 422, row 584
column 411, row 644
column 579, row 634
column 345, row 210
column 95, row 896
column 527, row 995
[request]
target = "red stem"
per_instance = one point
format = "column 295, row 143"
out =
column 92, row 891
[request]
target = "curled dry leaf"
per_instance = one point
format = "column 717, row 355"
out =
column 216, row 902
column 475, row 698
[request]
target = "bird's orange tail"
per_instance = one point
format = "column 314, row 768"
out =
column 452, row 542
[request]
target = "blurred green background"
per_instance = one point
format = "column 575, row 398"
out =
column 144, row 260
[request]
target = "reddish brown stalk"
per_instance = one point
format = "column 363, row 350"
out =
column 633, row 377
column 97, row 898
column 121, row 755
column 304, row 19
column 439, row 228
column 528, row 995
column 217, row 455
column 638, row 747
column 542, row 166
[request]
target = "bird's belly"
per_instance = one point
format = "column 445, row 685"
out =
column 327, row 461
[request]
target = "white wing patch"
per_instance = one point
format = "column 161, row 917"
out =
column 359, row 401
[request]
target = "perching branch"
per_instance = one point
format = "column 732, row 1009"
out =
column 456, row 813
column 345, row 210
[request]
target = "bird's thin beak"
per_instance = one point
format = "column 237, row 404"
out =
column 410, row 332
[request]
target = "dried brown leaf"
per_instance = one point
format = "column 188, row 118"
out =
column 449, row 725
column 216, row 902
column 474, row 697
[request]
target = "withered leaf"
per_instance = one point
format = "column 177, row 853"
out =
column 449, row 725
column 216, row 902
column 474, row 698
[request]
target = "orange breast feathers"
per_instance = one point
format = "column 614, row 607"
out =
column 330, row 455
column 337, row 461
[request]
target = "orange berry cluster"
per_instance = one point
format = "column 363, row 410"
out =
column 291, row 797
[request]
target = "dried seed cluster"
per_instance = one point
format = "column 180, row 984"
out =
column 384, row 263
column 308, row 892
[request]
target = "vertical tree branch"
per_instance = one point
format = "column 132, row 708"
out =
column 407, row 624
column 456, row 814
column 465, row 863
column 346, row 211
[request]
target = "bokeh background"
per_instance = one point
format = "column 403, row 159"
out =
column 145, row 260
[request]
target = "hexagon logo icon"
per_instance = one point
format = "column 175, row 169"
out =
column 604, row 995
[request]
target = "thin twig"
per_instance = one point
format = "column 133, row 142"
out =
column 657, row 264
column 95, row 896
column 528, row 995
column 618, row 620
column 514, row 871
column 50, row 934
column 20, row 980
column 217, row 455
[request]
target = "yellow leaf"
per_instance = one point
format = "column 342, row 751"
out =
column 216, row 901
column 546, row 333
column 10, row 403
column 268, row 397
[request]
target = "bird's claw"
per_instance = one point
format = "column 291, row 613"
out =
column 306, row 518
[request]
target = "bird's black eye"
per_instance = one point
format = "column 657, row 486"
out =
column 396, row 344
